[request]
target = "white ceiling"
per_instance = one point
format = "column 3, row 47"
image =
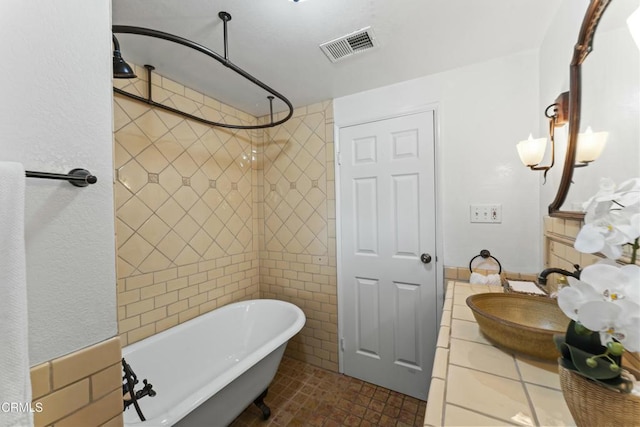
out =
column 277, row 41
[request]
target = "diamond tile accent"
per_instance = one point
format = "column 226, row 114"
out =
column 212, row 183
column 153, row 178
column 186, row 181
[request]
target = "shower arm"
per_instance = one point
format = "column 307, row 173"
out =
column 126, row 29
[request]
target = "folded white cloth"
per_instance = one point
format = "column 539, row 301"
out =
column 481, row 279
column 526, row 287
column 15, row 381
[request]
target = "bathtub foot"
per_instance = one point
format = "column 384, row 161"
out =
column 259, row 402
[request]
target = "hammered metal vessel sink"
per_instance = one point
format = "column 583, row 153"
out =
column 520, row 323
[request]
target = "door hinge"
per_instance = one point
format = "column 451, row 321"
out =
column 342, row 344
column 339, row 159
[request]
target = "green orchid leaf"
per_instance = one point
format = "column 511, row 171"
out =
column 601, row 366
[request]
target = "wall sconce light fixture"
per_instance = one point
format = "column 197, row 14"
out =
column 531, row 151
column 590, row 146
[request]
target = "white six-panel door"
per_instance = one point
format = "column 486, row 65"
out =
column 387, row 221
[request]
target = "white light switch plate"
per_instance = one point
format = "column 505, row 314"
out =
column 486, row 213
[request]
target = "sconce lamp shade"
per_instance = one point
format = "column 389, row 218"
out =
column 531, row 150
column 633, row 22
column 590, row 145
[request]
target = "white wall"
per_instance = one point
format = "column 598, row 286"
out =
column 610, row 95
column 484, row 110
column 55, row 115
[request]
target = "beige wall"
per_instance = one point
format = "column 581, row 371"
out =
column 207, row 216
column 297, row 228
column 185, row 226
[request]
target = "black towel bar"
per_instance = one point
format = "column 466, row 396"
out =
column 78, row 177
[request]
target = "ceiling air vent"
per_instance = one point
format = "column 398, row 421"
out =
column 345, row 46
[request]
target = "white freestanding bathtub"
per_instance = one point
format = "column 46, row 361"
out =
column 208, row 370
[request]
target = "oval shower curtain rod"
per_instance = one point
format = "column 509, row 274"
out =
column 126, row 29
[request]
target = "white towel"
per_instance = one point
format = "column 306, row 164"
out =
column 481, row 279
column 15, row 380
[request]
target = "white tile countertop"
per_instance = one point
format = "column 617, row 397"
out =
column 474, row 383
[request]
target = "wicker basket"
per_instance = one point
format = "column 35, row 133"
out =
column 592, row 404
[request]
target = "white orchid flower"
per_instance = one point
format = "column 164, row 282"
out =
column 594, row 238
column 571, row 298
column 628, row 193
column 618, row 321
column 609, row 224
column 605, row 193
column 613, row 283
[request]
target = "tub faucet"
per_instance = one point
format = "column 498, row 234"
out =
column 129, row 395
column 542, row 277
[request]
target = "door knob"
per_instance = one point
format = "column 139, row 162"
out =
column 425, row 258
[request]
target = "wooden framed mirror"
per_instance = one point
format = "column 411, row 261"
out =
column 604, row 93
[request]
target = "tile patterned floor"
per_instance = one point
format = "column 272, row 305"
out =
column 304, row 395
